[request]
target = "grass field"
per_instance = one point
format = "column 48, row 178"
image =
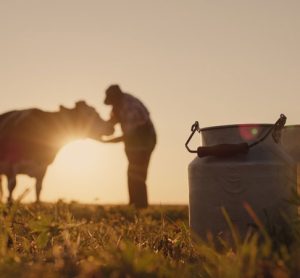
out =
column 75, row 240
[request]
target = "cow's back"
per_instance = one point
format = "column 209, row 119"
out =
column 21, row 134
column 7, row 119
column 19, row 119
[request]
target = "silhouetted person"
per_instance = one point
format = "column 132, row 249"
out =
column 138, row 136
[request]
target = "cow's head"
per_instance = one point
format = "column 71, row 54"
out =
column 84, row 121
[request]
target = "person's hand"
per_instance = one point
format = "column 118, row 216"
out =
column 112, row 140
column 103, row 140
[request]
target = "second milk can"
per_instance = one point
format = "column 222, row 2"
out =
column 291, row 143
column 238, row 165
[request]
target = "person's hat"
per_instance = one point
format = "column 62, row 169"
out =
column 113, row 92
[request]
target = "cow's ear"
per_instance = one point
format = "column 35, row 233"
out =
column 80, row 103
column 62, row 108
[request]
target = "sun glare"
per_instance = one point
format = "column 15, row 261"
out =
column 75, row 171
column 77, row 156
column 73, row 175
column 87, row 171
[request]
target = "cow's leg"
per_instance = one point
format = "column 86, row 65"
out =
column 11, row 181
column 38, row 185
column 38, row 189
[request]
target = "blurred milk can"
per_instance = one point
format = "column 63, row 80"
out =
column 291, row 143
column 239, row 164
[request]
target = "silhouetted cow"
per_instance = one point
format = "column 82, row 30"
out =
column 30, row 139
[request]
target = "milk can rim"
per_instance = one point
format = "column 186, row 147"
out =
column 235, row 125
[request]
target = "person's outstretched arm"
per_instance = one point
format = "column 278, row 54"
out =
column 113, row 140
column 113, row 119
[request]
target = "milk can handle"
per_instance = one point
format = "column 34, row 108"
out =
column 225, row 150
column 221, row 150
column 195, row 127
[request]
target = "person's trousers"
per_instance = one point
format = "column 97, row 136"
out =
column 139, row 145
column 137, row 175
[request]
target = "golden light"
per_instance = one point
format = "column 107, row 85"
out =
column 84, row 170
column 77, row 156
column 88, row 171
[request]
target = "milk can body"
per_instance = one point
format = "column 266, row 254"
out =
column 262, row 178
column 291, row 143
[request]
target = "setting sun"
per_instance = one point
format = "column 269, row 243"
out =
column 78, row 156
column 84, row 170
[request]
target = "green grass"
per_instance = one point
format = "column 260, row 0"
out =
column 75, row 240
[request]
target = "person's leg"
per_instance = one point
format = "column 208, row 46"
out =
column 137, row 175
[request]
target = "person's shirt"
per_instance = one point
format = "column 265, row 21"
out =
column 131, row 113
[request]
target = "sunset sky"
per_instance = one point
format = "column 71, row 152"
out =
column 218, row 62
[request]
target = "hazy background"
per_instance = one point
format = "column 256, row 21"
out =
column 218, row 62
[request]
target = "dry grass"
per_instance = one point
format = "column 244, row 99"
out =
column 74, row 240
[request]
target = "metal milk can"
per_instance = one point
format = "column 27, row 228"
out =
column 239, row 164
column 291, row 143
